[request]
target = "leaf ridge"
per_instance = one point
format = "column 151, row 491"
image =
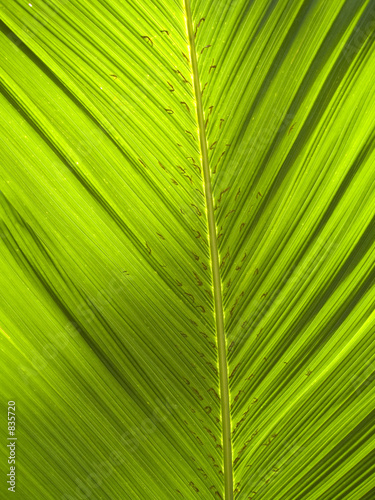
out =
column 215, row 267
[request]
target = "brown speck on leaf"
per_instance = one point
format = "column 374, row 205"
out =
column 200, row 22
column 291, row 128
column 164, row 31
column 197, row 167
column 222, row 154
column 190, row 134
column 169, row 111
column 148, row 40
column 197, row 393
column 193, row 486
column 234, row 371
column 237, row 396
column 226, row 256
column 187, row 107
column 184, row 79
column 203, row 473
column 215, row 393
column 199, row 282
column 210, row 364
column 206, row 47
column 199, row 213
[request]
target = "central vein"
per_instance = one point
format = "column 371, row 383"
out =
column 219, row 314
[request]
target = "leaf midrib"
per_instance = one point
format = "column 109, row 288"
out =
column 215, row 269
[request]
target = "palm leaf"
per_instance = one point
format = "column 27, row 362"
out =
column 187, row 248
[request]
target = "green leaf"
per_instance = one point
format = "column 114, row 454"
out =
column 187, row 248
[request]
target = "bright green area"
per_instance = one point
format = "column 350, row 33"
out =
column 107, row 318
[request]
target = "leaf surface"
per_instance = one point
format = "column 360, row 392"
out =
column 139, row 139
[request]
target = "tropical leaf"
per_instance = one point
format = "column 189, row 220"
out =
column 187, row 248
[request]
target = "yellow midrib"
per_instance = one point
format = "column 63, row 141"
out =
column 219, row 313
